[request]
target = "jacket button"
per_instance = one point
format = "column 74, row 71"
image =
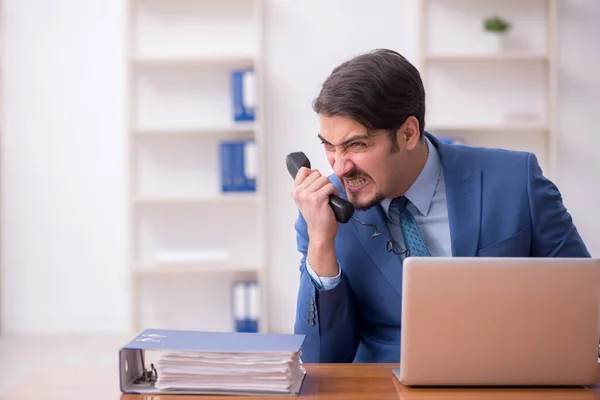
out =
column 311, row 322
column 311, row 300
column 311, row 315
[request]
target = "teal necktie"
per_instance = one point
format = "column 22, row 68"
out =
column 410, row 230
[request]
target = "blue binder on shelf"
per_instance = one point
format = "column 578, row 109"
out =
column 140, row 370
column 238, row 165
column 243, row 92
column 246, row 306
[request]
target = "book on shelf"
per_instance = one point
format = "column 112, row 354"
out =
column 159, row 361
column 246, row 306
column 238, row 165
column 243, row 92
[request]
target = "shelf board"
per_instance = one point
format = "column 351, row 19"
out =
column 218, row 198
column 486, row 128
column 196, row 268
column 209, row 130
column 488, row 57
column 200, row 61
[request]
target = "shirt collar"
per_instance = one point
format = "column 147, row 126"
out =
column 421, row 192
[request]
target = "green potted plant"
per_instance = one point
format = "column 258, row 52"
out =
column 496, row 29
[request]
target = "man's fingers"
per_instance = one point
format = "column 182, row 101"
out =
column 311, row 185
column 304, row 178
column 307, row 178
column 301, row 175
column 318, row 183
column 327, row 190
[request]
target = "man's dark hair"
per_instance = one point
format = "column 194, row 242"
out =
column 379, row 89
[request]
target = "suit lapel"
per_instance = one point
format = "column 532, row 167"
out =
column 463, row 197
column 464, row 213
column 388, row 263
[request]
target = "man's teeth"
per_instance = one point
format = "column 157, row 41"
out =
column 356, row 182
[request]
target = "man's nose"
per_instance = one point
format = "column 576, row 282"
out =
column 342, row 165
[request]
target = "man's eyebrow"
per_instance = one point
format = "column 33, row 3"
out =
column 349, row 140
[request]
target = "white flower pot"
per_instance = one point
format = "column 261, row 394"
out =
column 493, row 42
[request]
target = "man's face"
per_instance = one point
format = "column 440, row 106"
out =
column 366, row 165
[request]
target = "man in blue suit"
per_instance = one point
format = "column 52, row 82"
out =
column 420, row 196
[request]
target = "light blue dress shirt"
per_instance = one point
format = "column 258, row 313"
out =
column 427, row 203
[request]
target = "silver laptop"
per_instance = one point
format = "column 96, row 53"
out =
column 499, row 321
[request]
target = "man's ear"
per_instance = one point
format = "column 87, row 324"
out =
column 409, row 133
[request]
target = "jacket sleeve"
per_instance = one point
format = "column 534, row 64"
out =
column 326, row 317
column 554, row 233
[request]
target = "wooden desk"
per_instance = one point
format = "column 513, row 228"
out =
column 324, row 381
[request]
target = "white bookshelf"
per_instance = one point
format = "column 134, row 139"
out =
column 189, row 241
column 204, row 131
column 495, row 58
column 201, row 61
column 484, row 96
column 224, row 198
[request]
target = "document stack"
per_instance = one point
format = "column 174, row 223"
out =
column 192, row 362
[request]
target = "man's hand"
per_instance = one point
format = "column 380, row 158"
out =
column 311, row 192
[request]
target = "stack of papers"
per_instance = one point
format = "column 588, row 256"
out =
column 176, row 361
column 261, row 372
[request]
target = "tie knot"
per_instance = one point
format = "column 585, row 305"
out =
column 401, row 203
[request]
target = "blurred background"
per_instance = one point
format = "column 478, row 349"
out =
column 143, row 142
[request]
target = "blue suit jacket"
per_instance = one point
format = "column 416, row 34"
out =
column 499, row 205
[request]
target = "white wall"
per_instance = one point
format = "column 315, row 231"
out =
column 63, row 204
column 63, row 194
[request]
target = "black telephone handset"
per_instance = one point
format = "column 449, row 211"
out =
column 342, row 208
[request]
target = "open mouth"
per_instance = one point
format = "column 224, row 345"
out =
column 355, row 184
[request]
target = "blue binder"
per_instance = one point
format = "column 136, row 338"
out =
column 136, row 377
column 243, row 92
column 246, row 306
column 238, row 162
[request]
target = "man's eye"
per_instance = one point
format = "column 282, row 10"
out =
column 358, row 146
column 328, row 146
